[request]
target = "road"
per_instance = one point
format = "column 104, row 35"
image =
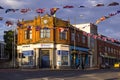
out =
column 36, row 74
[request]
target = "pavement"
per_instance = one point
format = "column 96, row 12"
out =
column 34, row 69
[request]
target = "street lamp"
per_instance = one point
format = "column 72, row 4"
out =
column 14, row 46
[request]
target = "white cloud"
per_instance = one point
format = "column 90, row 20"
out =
column 13, row 3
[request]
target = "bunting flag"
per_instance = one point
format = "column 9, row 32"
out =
column 41, row 11
column 53, row 10
column 84, row 33
column 118, row 11
column 61, row 29
column 112, row 40
column 1, row 18
column 99, row 36
column 104, row 38
column 19, row 24
column 68, row 6
column 82, row 7
column 45, row 28
column 98, row 21
column 100, row 4
column 94, row 36
column 1, row 7
column 37, row 28
column 101, row 19
column 9, row 23
column 29, row 27
column 113, row 4
column 116, row 40
column 9, row 10
column 25, row 10
column 66, row 29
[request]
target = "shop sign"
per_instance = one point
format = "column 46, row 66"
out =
column 64, row 46
column 28, row 53
column 46, row 46
column 62, row 52
column 26, row 46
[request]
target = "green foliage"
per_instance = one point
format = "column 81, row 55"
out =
column 8, row 38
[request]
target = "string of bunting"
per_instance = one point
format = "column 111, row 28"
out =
column 101, row 37
column 54, row 10
column 106, row 17
column 42, row 10
column 65, row 29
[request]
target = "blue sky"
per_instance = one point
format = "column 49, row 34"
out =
column 110, row 27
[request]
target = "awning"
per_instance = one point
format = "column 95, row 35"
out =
column 79, row 48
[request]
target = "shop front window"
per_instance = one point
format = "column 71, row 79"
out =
column 64, row 57
column 27, row 58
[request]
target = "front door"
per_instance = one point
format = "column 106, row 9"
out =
column 45, row 59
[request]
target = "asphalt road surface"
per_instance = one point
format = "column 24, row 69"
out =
column 36, row 74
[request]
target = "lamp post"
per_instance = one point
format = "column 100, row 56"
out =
column 14, row 47
column 54, row 42
column 74, row 52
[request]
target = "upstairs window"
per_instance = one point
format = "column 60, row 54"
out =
column 72, row 36
column 78, row 36
column 45, row 33
column 63, row 34
column 105, row 49
column 83, row 39
column 28, row 34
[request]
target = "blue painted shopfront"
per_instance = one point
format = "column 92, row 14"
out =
column 79, row 58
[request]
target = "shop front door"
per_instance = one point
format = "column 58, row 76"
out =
column 45, row 59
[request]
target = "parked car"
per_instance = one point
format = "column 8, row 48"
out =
column 117, row 65
column 104, row 66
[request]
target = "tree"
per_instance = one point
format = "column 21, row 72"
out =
column 8, row 39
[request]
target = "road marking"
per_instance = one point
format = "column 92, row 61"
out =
column 58, row 79
column 93, row 77
column 46, row 79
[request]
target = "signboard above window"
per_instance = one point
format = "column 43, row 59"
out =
column 28, row 53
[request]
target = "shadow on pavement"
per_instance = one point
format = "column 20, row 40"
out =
column 31, row 74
